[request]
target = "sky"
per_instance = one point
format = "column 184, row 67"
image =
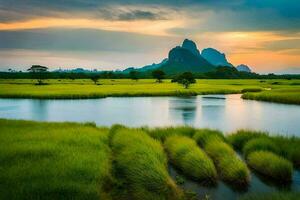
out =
column 116, row 34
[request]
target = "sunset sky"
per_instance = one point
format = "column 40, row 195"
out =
column 116, row 34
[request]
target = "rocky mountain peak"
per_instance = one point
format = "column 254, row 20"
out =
column 191, row 46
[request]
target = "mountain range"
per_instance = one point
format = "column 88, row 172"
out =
column 187, row 57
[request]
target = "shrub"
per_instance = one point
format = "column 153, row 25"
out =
column 230, row 167
column 203, row 135
column 188, row 157
column 264, row 144
column 241, row 137
column 271, row 165
column 141, row 165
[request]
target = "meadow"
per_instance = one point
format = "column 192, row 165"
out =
column 283, row 91
column 40, row 160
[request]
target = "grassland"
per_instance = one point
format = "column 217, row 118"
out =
column 53, row 160
column 40, row 160
column 85, row 88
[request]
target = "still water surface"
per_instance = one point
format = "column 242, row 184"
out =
column 225, row 112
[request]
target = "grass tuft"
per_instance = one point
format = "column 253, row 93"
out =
column 260, row 144
column 271, row 165
column 141, row 166
column 202, row 136
column 230, row 167
column 189, row 158
column 241, row 137
column 163, row 133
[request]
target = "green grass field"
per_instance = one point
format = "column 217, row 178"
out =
column 40, row 160
column 85, row 88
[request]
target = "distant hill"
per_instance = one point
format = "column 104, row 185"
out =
column 243, row 68
column 187, row 57
column 147, row 67
column 215, row 57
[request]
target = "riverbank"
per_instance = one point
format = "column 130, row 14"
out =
column 86, row 89
column 70, row 160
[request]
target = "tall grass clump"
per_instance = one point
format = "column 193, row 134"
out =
column 190, row 159
column 260, row 144
column 163, row 133
column 203, row 135
column 140, row 165
column 241, row 137
column 40, row 160
column 271, row 165
column 230, row 167
column 289, row 148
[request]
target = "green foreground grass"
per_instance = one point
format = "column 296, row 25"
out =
column 40, row 160
column 271, row 90
column 53, row 160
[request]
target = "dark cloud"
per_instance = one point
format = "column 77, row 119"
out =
column 139, row 14
column 83, row 40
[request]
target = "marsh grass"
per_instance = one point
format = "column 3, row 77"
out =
column 53, row 161
column 230, row 167
column 287, row 96
column 271, row 165
column 202, row 136
column 272, row 196
column 261, row 144
column 190, row 159
column 287, row 147
column 163, row 133
column 241, row 137
column 140, row 165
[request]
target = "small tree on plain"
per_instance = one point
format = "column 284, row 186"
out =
column 95, row 79
column 134, row 75
column 158, row 75
column 185, row 79
column 37, row 72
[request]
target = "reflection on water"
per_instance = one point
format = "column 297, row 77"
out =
column 225, row 112
column 183, row 109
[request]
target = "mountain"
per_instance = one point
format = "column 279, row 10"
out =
column 243, row 68
column 186, row 58
column 215, row 57
column 191, row 46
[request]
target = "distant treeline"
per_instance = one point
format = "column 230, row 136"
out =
column 219, row 73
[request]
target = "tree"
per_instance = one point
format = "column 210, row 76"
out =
column 185, row 79
column 134, row 75
column 158, row 75
column 38, row 73
column 95, row 79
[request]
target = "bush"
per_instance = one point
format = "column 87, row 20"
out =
column 141, row 165
column 241, row 137
column 203, row 135
column 188, row 157
column 264, row 144
column 271, row 165
column 230, row 167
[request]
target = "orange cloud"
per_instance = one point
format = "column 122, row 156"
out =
column 157, row 27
